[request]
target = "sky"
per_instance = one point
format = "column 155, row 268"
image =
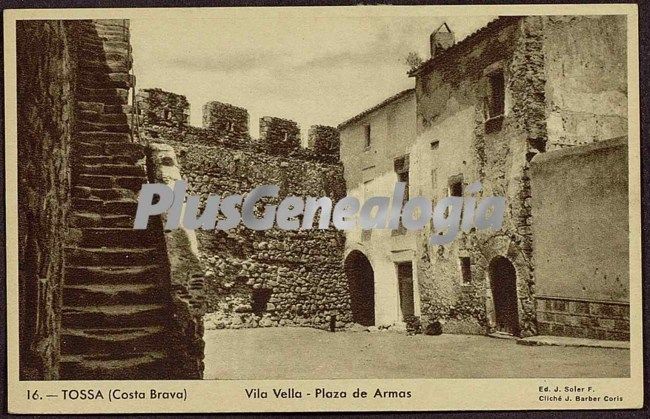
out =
column 313, row 68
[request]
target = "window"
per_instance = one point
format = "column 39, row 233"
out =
column 496, row 94
column 494, row 106
column 401, row 166
column 465, row 270
column 366, row 129
column 456, row 187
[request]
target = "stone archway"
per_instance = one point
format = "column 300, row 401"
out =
column 503, row 284
column 361, row 283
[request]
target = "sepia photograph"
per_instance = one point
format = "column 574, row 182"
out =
column 310, row 194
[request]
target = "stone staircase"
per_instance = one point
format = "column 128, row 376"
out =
column 116, row 300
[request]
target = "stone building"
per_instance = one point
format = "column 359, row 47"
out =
column 484, row 107
column 373, row 145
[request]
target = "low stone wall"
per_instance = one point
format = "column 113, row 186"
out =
column 583, row 319
column 46, row 86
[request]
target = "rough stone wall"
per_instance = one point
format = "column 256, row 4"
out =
column 279, row 136
column 227, row 121
column 45, row 119
column 586, row 67
column 185, row 269
column 263, row 278
column 495, row 151
column 581, row 238
column 156, row 106
column 324, row 140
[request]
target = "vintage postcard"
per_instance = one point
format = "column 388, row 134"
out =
column 369, row 208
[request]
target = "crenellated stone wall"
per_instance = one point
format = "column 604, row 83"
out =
column 225, row 120
column 324, row 140
column 156, row 106
column 262, row 278
column 279, row 136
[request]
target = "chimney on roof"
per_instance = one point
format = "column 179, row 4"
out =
column 441, row 39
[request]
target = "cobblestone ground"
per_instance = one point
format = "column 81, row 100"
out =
column 303, row 353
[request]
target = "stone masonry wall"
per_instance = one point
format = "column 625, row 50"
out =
column 586, row 66
column 324, row 140
column 262, row 278
column 225, row 120
column 279, row 136
column 156, row 106
column 45, row 119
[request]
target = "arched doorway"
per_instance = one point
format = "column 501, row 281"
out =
column 503, row 282
column 361, row 283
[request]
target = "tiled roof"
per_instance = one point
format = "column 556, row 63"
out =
column 468, row 41
column 374, row 108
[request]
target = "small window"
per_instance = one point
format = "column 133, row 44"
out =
column 496, row 96
column 401, row 166
column 366, row 129
column 434, row 144
column 456, row 188
column 465, row 269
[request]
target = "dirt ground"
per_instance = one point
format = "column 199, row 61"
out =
column 304, row 353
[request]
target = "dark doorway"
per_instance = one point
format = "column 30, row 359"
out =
column 361, row 283
column 503, row 281
column 405, row 282
column 260, row 299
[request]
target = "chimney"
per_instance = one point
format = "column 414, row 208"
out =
column 441, row 39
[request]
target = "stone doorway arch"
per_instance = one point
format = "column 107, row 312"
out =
column 503, row 284
column 361, row 284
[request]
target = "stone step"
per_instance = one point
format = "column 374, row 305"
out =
column 150, row 274
column 97, row 94
column 148, row 365
column 103, row 193
column 133, row 183
column 102, row 108
column 88, row 46
column 103, row 118
column 112, row 169
column 120, row 340
column 106, row 100
column 117, row 237
column 103, row 127
column 94, row 32
column 133, row 150
column 114, row 316
column 99, row 206
column 91, row 219
column 109, row 159
column 90, row 56
column 106, row 65
column 103, row 137
column 114, row 293
column 99, row 257
column 101, row 79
